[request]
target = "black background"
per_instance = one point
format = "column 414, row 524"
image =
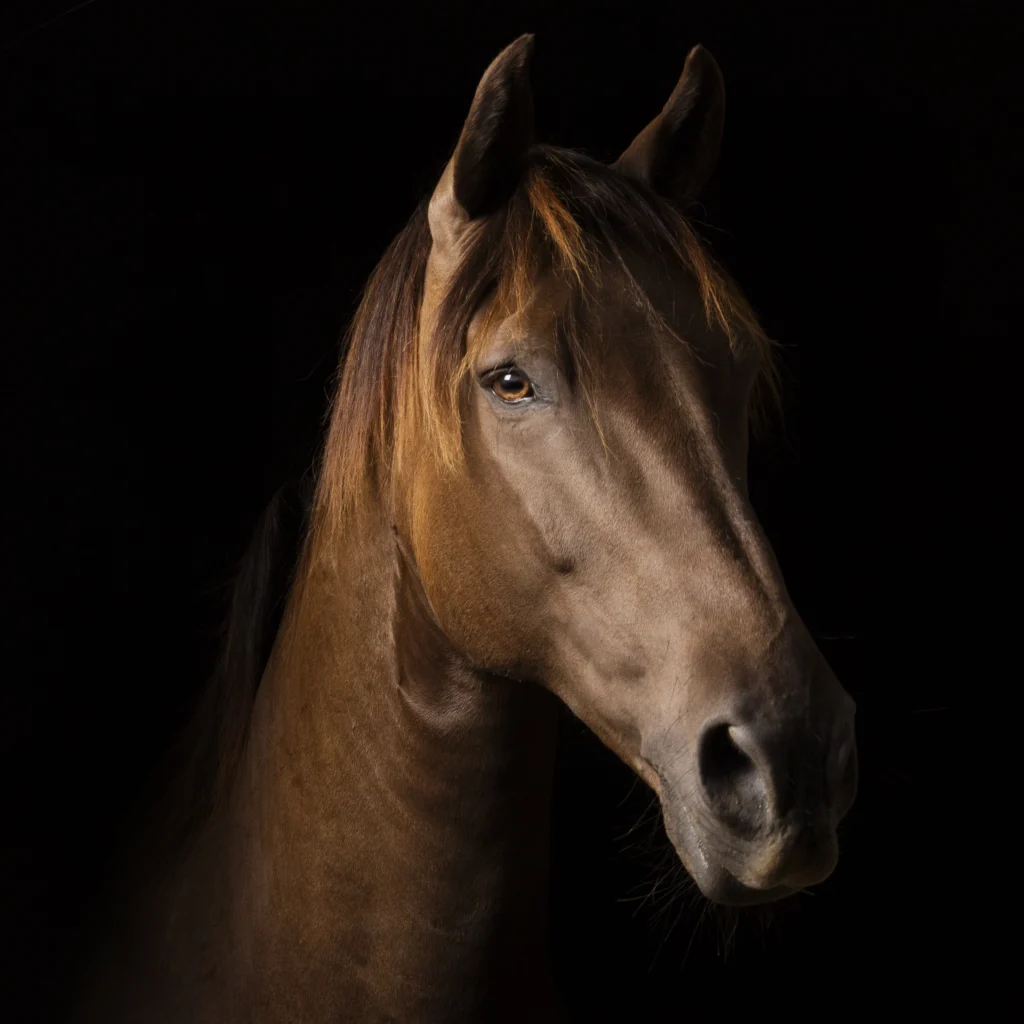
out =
column 193, row 195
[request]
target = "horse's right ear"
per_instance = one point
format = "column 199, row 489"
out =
column 491, row 151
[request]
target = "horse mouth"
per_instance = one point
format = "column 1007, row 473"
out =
column 726, row 889
column 713, row 877
column 738, row 872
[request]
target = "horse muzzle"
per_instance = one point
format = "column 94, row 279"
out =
column 752, row 808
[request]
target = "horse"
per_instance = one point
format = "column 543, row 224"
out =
column 533, row 491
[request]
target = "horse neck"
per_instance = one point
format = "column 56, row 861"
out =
column 392, row 813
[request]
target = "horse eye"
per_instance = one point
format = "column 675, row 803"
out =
column 512, row 386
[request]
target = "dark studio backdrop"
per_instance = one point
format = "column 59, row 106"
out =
column 193, row 195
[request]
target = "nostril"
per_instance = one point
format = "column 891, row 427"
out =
column 733, row 783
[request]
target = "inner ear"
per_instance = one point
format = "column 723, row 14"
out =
column 676, row 153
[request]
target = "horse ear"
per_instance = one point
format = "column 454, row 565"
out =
column 676, row 153
column 491, row 151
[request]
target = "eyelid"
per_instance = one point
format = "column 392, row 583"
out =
column 503, row 367
column 491, row 377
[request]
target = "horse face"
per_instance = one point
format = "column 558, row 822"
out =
column 597, row 538
column 599, row 541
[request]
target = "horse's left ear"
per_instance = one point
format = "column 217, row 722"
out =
column 677, row 152
column 489, row 156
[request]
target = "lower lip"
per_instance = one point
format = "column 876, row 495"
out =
column 719, row 885
column 731, row 893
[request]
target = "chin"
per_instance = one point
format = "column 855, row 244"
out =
column 713, row 878
column 721, row 887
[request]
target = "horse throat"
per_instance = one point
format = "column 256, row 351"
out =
column 389, row 834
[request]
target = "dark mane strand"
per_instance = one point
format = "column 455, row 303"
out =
column 205, row 756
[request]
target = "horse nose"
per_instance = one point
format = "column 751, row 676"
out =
column 753, row 775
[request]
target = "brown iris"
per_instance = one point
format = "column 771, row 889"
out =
column 512, row 385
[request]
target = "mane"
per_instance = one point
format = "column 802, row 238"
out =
column 203, row 759
column 567, row 213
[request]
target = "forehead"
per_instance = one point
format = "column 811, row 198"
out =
column 633, row 305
